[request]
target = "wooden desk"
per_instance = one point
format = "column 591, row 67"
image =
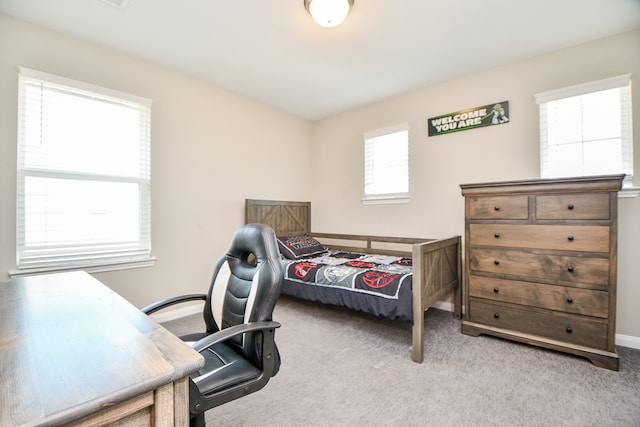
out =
column 73, row 352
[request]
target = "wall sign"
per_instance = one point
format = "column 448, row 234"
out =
column 486, row 115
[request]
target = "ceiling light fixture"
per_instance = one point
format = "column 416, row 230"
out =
column 328, row 13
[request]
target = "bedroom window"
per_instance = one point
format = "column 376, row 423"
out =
column 386, row 165
column 587, row 130
column 83, row 176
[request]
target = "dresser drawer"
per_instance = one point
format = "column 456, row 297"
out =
column 573, row 206
column 540, row 266
column 504, row 207
column 558, row 298
column 584, row 238
column 568, row 328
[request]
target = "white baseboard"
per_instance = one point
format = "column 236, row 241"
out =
column 176, row 313
column 172, row 314
column 628, row 341
column 621, row 340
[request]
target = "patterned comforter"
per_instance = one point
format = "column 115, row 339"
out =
column 376, row 284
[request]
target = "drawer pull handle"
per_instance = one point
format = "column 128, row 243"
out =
column 496, row 262
column 570, row 300
column 497, row 235
column 497, row 315
column 496, row 290
column 570, row 207
column 570, row 238
column 569, row 330
column 570, row 269
column 497, row 208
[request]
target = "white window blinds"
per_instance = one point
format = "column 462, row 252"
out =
column 386, row 164
column 586, row 129
column 84, row 174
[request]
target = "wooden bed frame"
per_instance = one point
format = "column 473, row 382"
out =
column 437, row 264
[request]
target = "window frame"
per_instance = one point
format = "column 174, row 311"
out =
column 109, row 255
column 387, row 197
column 622, row 82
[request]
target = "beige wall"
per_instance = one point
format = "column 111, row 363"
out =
column 211, row 149
column 203, row 135
column 506, row 152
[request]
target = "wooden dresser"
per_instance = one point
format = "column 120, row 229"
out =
column 541, row 263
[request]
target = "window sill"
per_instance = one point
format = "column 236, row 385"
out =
column 385, row 200
column 149, row 262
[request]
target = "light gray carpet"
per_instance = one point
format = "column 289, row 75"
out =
column 344, row 368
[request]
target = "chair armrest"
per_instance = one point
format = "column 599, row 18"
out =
column 231, row 332
column 270, row 361
column 156, row 306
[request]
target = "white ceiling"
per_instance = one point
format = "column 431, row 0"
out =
column 273, row 52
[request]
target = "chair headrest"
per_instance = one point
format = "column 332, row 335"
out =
column 256, row 239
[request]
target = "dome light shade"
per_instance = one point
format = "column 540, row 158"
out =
column 328, row 13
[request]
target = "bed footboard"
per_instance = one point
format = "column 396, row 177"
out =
column 437, row 270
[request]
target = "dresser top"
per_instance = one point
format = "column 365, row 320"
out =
column 556, row 185
column 70, row 346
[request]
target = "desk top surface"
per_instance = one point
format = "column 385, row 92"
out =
column 70, row 346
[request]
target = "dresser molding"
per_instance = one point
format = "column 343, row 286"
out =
column 557, row 185
column 541, row 263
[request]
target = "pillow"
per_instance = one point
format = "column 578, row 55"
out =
column 297, row 247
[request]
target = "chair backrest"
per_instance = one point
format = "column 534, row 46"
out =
column 245, row 286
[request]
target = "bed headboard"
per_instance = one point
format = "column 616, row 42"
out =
column 285, row 217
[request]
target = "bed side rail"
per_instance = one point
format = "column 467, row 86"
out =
column 384, row 245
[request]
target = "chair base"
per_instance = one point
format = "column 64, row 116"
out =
column 198, row 420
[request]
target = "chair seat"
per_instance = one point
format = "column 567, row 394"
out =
column 223, row 368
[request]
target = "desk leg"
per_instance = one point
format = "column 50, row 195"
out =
column 172, row 404
column 181, row 401
column 163, row 406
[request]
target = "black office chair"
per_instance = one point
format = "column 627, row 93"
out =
column 239, row 343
